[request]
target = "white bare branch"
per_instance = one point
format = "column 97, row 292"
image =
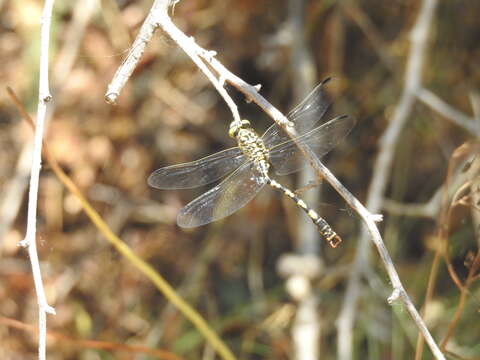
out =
column 307, row 325
column 12, row 198
column 441, row 107
column 30, row 238
column 136, row 51
column 418, row 38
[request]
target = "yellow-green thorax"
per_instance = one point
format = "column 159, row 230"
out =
column 250, row 143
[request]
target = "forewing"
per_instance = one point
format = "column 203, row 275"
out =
column 287, row 158
column 197, row 173
column 305, row 115
column 224, row 199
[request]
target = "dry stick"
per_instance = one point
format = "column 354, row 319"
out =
column 13, row 191
column 302, row 68
column 475, row 101
column 457, row 117
column 74, row 34
column 30, row 237
column 125, row 70
column 429, row 209
column 306, row 326
column 137, row 262
column 381, row 173
column 13, row 194
column 251, row 92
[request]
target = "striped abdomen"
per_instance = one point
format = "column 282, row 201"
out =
column 323, row 227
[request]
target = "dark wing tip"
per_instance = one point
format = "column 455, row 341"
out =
column 326, row 81
column 351, row 118
column 320, row 86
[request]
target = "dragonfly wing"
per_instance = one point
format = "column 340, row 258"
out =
column 197, row 173
column 224, row 199
column 287, row 158
column 305, row 115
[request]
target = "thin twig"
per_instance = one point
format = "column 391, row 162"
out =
column 381, row 174
column 432, row 207
column 14, row 190
column 125, row 70
column 302, row 65
column 13, row 194
column 467, row 123
column 30, row 237
column 82, row 13
column 307, row 325
column 475, row 101
column 423, row 210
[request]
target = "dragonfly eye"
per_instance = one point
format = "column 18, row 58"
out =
column 245, row 123
column 236, row 126
column 233, row 131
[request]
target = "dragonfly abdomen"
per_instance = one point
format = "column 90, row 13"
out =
column 323, row 227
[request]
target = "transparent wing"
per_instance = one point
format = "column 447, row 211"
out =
column 197, row 173
column 224, row 199
column 287, row 158
column 305, row 115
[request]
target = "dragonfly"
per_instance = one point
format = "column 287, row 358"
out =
column 250, row 163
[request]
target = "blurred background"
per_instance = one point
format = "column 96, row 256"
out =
column 235, row 271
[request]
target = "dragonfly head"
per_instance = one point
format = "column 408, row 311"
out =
column 235, row 126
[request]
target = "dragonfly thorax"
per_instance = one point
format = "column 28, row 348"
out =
column 252, row 145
